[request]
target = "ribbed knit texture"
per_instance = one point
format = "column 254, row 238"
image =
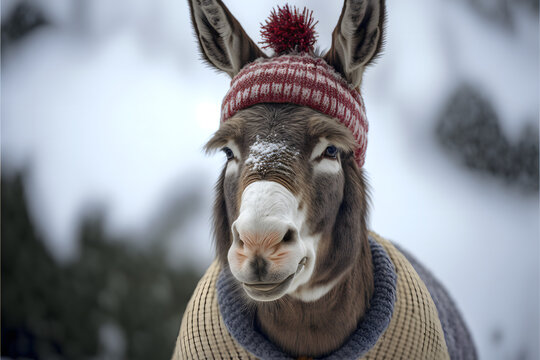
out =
column 302, row 80
column 458, row 339
column 414, row 330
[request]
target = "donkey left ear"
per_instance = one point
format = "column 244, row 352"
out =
column 357, row 38
column 222, row 40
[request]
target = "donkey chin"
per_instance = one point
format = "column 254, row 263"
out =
column 272, row 254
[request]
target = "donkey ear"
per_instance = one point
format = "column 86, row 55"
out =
column 222, row 40
column 357, row 38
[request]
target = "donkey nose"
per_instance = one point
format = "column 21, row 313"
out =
column 259, row 267
column 260, row 236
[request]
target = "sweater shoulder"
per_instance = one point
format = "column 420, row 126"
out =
column 415, row 320
column 457, row 337
column 203, row 334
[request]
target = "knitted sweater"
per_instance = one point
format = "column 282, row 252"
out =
column 410, row 317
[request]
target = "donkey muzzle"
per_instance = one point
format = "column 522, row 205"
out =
column 267, row 252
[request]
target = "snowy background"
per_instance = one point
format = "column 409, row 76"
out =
column 107, row 104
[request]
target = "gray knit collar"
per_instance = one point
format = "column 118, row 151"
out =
column 241, row 323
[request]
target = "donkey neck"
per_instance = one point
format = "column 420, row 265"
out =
column 301, row 328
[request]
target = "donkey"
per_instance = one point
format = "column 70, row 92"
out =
column 297, row 272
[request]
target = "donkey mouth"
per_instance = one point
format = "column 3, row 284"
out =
column 267, row 287
column 269, row 290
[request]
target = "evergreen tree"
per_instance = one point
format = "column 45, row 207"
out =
column 113, row 302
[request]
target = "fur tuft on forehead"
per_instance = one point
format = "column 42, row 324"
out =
column 302, row 80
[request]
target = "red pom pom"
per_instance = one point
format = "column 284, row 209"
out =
column 288, row 30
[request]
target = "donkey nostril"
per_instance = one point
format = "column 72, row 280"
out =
column 290, row 236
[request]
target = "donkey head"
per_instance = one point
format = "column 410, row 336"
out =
column 291, row 206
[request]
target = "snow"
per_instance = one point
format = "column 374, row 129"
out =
column 114, row 107
column 263, row 153
column 105, row 124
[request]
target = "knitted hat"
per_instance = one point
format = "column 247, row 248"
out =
column 301, row 79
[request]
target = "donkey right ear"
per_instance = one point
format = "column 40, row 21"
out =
column 222, row 40
column 357, row 38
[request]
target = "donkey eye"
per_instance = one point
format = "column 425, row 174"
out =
column 228, row 152
column 331, row 152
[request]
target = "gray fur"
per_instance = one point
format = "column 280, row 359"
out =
column 336, row 206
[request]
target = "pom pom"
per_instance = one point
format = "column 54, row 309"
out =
column 289, row 30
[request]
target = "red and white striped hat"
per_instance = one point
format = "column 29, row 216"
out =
column 303, row 80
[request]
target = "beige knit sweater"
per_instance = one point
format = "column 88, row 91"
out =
column 414, row 331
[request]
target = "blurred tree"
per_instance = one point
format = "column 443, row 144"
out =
column 22, row 20
column 502, row 11
column 114, row 302
column 31, row 285
column 469, row 128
